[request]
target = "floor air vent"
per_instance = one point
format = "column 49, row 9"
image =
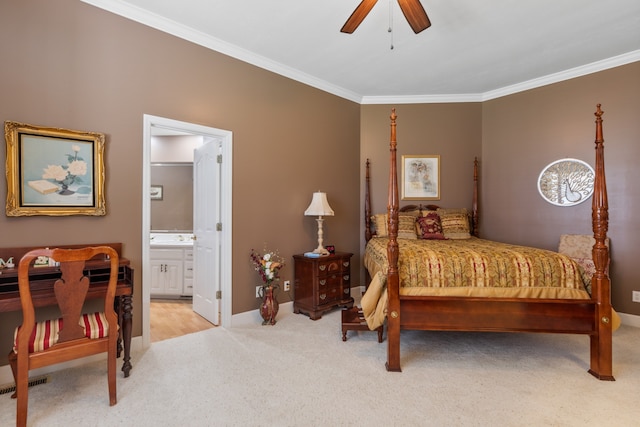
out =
column 32, row 382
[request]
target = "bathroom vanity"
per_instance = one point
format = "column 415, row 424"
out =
column 171, row 260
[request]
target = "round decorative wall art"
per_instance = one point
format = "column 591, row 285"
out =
column 566, row 182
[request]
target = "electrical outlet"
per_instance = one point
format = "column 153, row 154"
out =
column 287, row 285
column 258, row 292
column 635, row 296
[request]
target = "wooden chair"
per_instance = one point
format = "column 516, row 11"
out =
column 74, row 335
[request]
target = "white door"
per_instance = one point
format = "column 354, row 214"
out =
column 206, row 217
column 154, row 125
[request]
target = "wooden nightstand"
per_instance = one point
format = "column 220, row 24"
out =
column 321, row 284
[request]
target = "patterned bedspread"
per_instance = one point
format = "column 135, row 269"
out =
column 477, row 267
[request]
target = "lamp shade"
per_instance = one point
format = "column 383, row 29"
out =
column 319, row 205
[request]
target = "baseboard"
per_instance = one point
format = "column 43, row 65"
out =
column 6, row 377
column 630, row 320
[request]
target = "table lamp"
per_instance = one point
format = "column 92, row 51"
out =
column 319, row 207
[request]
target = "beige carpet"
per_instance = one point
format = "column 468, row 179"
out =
column 299, row 372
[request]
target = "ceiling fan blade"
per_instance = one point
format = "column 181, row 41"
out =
column 358, row 16
column 415, row 14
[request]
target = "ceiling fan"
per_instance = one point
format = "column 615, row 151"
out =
column 412, row 10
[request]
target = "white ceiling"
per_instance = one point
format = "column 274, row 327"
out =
column 475, row 49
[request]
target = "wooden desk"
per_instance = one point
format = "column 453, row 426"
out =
column 97, row 270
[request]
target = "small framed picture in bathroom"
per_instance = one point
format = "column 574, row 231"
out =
column 156, row 192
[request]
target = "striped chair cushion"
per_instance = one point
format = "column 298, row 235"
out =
column 45, row 333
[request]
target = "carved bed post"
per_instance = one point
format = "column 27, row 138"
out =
column 474, row 213
column 367, row 215
column 367, row 203
column 393, row 282
column 601, row 341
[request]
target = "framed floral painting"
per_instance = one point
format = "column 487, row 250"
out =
column 420, row 177
column 52, row 171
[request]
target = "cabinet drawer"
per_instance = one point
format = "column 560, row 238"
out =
column 188, row 254
column 329, row 281
column 188, row 269
column 166, row 254
column 328, row 267
column 188, row 287
column 328, row 295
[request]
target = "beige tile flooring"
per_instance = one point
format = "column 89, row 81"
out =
column 173, row 318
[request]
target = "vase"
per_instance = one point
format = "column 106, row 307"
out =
column 64, row 191
column 269, row 306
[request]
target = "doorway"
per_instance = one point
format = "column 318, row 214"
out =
column 158, row 125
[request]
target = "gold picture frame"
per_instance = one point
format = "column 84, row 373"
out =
column 421, row 177
column 53, row 171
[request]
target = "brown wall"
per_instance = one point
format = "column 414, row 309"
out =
column 522, row 133
column 71, row 65
column 452, row 131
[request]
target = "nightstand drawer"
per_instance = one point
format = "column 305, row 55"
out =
column 333, row 266
column 330, row 281
column 328, row 267
column 329, row 295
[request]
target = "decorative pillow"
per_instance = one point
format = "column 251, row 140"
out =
column 455, row 223
column 578, row 245
column 430, row 227
column 45, row 333
column 452, row 211
column 379, row 222
column 587, row 270
column 407, row 226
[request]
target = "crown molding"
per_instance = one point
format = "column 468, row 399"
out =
column 572, row 73
column 422, row 99
column 168, row 26
column 171, row 27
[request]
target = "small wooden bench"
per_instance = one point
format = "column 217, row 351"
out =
column 353, row 320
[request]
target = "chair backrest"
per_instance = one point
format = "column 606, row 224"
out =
column 577, row 245
column 70, row 290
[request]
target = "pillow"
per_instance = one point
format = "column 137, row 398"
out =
column 450, row 211
column 430, row 227
column 455, row 223
column 407, row 226
column 379, row 222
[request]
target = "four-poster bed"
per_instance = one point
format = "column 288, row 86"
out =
column 570, row 310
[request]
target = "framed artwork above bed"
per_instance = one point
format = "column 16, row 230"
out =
column 421, row 177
